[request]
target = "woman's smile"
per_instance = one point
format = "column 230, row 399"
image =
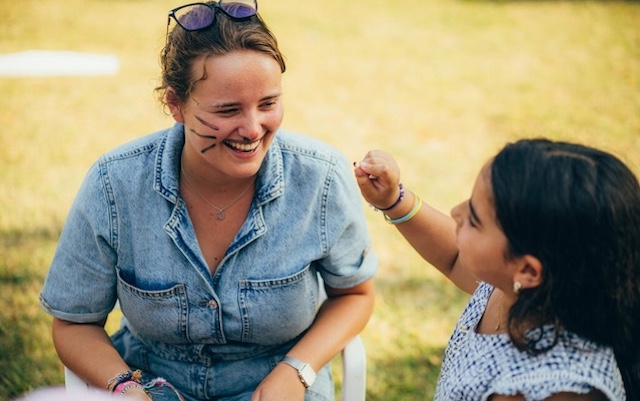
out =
column 244, row 147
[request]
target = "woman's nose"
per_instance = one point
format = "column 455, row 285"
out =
column 251, row 127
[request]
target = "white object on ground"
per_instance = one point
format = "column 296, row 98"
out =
column 57, row 63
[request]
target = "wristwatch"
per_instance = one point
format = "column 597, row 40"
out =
column 305, row 372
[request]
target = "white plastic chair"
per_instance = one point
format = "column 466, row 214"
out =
column 354, row 373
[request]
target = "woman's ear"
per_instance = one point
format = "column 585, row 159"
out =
column 528, row 272
column 174, row 105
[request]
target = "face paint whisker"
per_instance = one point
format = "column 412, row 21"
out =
column 203, row 122
column 208, row 148
column 207, row 136
column 212, row 137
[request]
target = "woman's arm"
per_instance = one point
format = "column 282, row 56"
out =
column 87, row 350
column 341, row 317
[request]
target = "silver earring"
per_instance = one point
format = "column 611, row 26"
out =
column 516, row 287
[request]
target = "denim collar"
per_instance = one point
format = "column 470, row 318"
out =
column 269, row 183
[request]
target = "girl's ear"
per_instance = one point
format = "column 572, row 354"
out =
column 528, row 272
column 174, row 105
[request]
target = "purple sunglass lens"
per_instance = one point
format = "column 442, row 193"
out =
column 195, row 17
column 238, row 9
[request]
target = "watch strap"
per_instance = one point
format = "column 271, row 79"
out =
column 305, row 372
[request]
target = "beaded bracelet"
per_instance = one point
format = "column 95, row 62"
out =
column 118, row 389
column 400, row 197
column 126, row 386
column 122, row 377
column 417, row 203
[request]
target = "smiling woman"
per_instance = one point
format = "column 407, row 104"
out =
column 191, row 230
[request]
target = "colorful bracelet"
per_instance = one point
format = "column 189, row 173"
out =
column 129, row 387
column 417, row 204
column 159, row 382
column 118, row 389
column 122, row 377
column 125, row 381
column 400, row 197
column 123, row 387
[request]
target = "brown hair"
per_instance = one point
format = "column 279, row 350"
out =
column 222, row 37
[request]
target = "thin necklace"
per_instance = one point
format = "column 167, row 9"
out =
column 219, row 210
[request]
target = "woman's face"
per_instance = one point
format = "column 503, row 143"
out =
column 482, row 245
column 232, row 116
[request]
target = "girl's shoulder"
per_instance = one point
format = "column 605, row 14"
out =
column 572, row 364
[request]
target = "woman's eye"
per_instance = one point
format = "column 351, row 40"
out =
column 227, row 112
column 471, row 223
column 269, row 103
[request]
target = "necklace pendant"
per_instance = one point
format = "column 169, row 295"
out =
column 220, row 215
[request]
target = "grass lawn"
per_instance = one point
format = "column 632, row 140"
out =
column 441, row 84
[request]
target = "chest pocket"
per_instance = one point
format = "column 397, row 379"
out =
column 277, row 310
column 159, row 315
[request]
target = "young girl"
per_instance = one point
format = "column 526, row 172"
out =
column 549, row 246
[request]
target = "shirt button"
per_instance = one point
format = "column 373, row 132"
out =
column 212, row 304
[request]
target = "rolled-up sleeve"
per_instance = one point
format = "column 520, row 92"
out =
column 81, row 283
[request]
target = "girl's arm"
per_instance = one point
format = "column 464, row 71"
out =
column 431, row 233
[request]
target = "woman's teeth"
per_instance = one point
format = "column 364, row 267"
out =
column 243, row 147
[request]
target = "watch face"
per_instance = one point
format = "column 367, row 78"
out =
column 307, row 375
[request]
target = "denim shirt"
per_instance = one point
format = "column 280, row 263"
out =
column 128, row 237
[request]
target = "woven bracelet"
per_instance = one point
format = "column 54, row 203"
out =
column 122, row 377
column 400, row 197
column 416, row 208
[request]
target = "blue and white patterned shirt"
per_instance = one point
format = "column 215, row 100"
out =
column 476, row 365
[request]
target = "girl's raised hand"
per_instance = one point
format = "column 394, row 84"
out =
column 378, row 176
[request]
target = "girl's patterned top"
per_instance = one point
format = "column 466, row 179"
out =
column 476, row 365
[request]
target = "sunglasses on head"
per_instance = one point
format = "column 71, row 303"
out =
column 197, row 16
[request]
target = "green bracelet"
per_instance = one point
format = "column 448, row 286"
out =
column 417, row 203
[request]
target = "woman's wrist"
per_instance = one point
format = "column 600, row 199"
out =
column 137, row 392
column 122, row 377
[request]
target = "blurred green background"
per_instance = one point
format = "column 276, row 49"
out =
column 441, row 84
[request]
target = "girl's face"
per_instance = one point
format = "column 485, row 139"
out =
column 232, row 116
column 482, row 245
